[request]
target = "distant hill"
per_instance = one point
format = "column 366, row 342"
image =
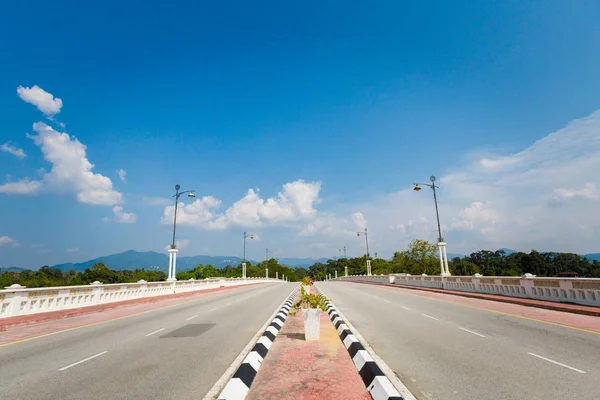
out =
column 132, row 259
column 10, row 269
column 593, row 256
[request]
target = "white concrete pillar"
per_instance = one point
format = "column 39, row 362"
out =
column 346, row 270
column 170, row 265
column 267, row 273
column 276, row 274
column 173, row 264
column 369, row 267
column 243, row 270
column 443, row 259
column 335, row 274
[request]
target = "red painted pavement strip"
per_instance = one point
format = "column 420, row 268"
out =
column 498, row 304
column 307, row 370
column 23, row 327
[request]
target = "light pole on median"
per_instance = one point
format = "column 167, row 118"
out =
column 173, row 250
column 366, row 234
column 441, row 243
column 251, row 236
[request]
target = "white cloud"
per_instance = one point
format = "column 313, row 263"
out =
column 71, row 170
column 122, row 175
column 7, row 241
column 15, row 151
column 544, row 197
column 295, row 203
column 359, row 220
column 73, row 250
column 180, row 244
column 22, row 187
column 44, row 101
column 157, row 201
column 123, row 217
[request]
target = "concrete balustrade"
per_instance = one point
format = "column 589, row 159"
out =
column 18, row 300
column 572, row 290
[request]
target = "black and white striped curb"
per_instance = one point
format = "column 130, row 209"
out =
column 239, row 385
column 380, row 387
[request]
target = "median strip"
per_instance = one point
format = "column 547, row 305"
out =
column 378, row 383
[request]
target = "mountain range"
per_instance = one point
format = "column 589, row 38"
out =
column 132, row 259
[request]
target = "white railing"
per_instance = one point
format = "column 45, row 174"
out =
column 18, row 300
column 572, row 290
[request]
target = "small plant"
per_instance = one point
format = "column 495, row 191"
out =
column 306, row 281
column 308, row 300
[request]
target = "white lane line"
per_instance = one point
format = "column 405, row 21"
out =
column 387, row 301
column 429, row 316
column 191, row 317
column 156, row 331
column 212, row 309
column 557, row 363
column 406, row 308
column 82, row 361
column 474, row 333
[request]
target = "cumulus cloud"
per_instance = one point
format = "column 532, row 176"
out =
column 23, row 187
column 122, row 217
column 15, row 151
column 71, row 170
column 293, row 204
column 7, row 241
column 44, row 101
column 359, row 220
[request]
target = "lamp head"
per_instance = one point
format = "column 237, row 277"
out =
column 191, row 195
column 251, row 236
column 417, row 188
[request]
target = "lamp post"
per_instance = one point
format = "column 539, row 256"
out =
column 345, row 261
column 441, row 243
column 367, row 243
column 173, row 250
column 267, row 262
column 251, row 236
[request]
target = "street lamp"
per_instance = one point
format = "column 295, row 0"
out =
column 251, row 236
column 367, row 242
column 267, row 261
column 441, row 243
column 173, row 250
column 345, row 261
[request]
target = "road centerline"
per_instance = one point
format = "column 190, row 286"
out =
column 82, row 361
column 192, row 317
column 156, row 331
column 429, row 316
column 557, row 363
column 474, row 333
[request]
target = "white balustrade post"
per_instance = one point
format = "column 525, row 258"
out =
column 346, row 270
column 267, row 273
column 244, row 270
column 335, row 274
column 276, row 275
column 15, row 299
column 368, row 267
column 170, row 265
column 173, row 264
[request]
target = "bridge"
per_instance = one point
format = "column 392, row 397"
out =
column 441, row 337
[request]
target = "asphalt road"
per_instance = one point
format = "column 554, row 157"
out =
column 443, row 350
column 173, row 353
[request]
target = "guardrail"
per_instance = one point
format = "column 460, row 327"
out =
column 18, row 300
column 569, row 290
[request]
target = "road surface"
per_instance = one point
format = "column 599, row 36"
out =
column 450, row 351
column 172, row 353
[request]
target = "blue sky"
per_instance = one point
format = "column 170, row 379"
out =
column 346, row 104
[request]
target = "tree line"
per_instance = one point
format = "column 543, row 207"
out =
column 51, row 277
column 421, row 257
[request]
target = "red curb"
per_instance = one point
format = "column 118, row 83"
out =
column 74, row 312
column 565, row 307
